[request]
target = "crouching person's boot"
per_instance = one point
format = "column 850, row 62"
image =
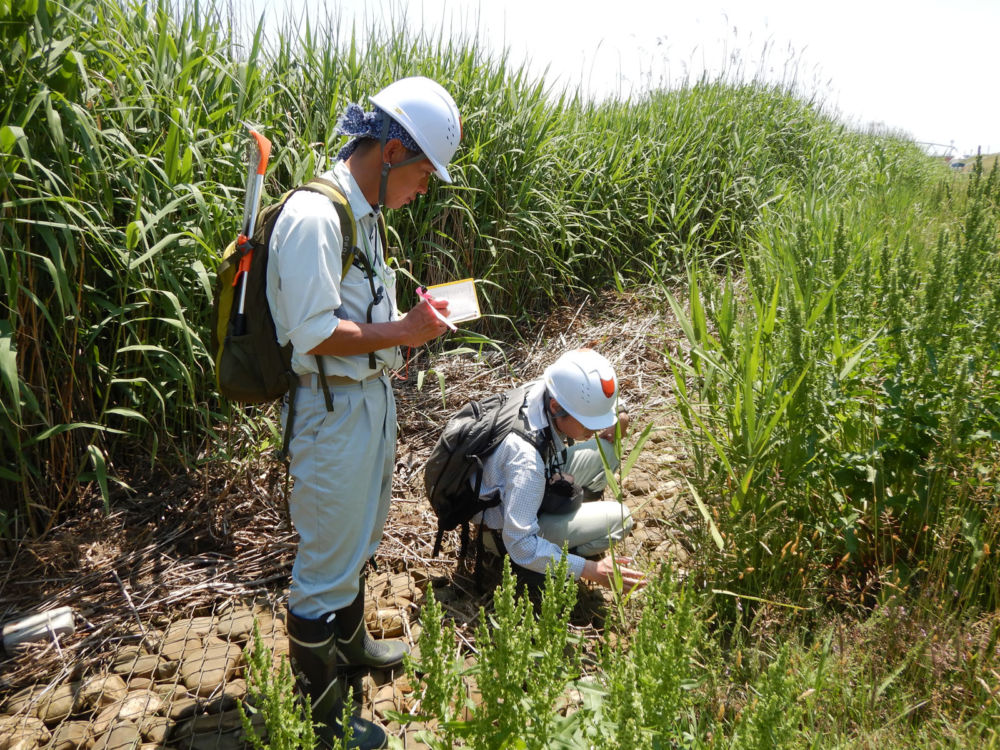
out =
column 354, row 643
column 531, row 582
column 313, row 655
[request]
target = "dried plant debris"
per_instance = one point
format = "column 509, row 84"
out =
column 167, row 588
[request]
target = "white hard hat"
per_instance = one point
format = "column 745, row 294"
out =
column 428, row 113
column 585, row 385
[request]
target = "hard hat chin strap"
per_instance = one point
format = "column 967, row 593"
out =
column 387, row 167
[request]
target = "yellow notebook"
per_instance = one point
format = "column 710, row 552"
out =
column 463, row 304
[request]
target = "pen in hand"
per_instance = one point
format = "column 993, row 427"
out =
column 422, row 293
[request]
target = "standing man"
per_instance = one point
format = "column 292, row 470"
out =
column 545, row 472
column 345, row 332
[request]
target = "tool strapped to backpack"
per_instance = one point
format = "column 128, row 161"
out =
column 453, row 474
column 251, row 367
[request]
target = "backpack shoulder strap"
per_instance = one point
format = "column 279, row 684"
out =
column 348, row 227
column 266, row 220
column 350, row 251
column 510, row 418
column 519, row 424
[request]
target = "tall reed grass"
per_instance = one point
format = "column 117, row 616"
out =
column 121, row 140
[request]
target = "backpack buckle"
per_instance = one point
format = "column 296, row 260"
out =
column 243, row 245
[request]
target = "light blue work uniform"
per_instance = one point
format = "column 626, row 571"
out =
column 341, row 460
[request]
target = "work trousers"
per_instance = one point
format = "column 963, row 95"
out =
column 595, row 525
column 342, row 463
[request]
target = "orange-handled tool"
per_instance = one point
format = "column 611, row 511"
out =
column 258, row 154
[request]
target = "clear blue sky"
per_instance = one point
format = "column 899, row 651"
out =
column 925, row 67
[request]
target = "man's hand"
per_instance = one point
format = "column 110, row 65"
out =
column 561, row 475
column 422, row 324
column 417, row 327
column 609, row 433
column 602, row 572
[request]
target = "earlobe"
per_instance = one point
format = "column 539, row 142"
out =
column 390, row 153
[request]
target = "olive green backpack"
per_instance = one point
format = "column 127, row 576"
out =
column 250, row 366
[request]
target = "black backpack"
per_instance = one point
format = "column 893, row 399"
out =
column 251, row 367
column 453, row 474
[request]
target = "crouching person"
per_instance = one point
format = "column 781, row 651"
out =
column 549, row 476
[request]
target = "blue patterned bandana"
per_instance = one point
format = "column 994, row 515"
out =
column 358, row 124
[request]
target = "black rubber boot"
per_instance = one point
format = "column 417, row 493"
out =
column 313, row 656
column 355, row 645
column 533, row 583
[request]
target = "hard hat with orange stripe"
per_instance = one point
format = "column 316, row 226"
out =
column 585, row 385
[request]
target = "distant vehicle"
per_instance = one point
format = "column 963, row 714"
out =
column 957, row 164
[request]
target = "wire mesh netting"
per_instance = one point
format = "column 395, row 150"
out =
column 179, row 684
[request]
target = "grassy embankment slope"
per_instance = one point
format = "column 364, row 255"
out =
column 838, row 382
column 988, row 161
